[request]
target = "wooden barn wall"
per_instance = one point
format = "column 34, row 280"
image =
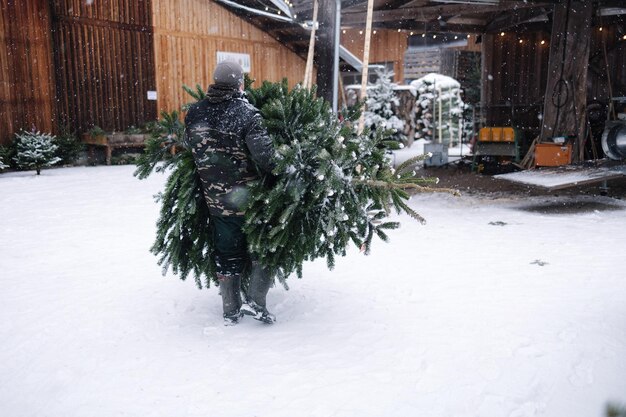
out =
column 597, row 80
column 105, row 63
column 188, row 35
column 26, row 68
column 386, row 46
column 514, row 77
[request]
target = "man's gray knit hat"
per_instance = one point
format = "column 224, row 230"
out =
column 228, row 73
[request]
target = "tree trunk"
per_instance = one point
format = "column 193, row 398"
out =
column 566, row 90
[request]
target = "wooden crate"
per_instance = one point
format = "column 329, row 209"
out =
column 552, row 154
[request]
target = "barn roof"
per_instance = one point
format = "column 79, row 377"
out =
column 289, row 21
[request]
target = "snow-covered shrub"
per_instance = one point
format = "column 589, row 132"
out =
column 35, row 150
column 439, row 108
column 5, row 157
column 381, row 100
column 69, row 147
column 7, row 154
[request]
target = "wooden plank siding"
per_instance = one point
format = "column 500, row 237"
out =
column 105, row 63
column 615, row 45
column 26, row 68
column 189, row 33
column 514, row 77
column 386, row 46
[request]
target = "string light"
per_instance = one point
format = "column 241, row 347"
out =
column 411, row 33
column 600, row 29
column 343, row 31
column 521, row 41
column 456, row 37
column 468, row 36
column 501, row 33
column 624, row 37
column 434, row 36
column 374, row 32
column 360, row 32
column 399, row 30
column 423, row 35
column 543, row 42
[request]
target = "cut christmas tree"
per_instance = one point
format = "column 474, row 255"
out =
column 439, row 107
column 331, row 186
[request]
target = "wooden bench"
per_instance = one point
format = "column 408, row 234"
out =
column 113, row 141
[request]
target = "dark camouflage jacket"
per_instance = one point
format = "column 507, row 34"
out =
column 226, row 136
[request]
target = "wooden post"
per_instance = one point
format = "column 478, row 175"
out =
column 326, row 49
column 439, row 100
column 566, row 90
column 308, row 71
column 366, row 61
column 487, row 48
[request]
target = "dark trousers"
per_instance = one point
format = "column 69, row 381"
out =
column 231, row 250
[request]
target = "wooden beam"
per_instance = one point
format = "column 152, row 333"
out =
column 517, row 18
column 366, row 62
column 429, row 27
column 304, row 8
column 431, row 12
column 566, row 91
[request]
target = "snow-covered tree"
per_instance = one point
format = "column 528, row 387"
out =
column 439, row 110
column 379, row 113
column 35, row 150
column 2, row 164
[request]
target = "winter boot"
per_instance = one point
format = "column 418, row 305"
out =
column 230, row 289
column 260, row 283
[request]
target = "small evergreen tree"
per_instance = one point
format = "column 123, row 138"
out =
column 379, row 113
column 2, row 164
column 35, row 150
column 69, row 147
column 7, row 155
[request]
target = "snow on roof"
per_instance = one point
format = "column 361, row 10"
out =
column 442, row 81
column 395, row 87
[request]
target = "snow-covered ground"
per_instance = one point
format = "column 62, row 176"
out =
column 417, row 148
column 494, row 308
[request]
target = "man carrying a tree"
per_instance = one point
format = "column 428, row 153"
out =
column 231, row 148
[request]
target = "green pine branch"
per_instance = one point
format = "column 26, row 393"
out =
column 331, row 187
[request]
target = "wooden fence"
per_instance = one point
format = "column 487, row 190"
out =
column 104, row 63
column 26, row 83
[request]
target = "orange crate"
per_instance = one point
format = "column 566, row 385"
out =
column 508, row 134
column 496, row 134
column 484, row 134
column 552, row 154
